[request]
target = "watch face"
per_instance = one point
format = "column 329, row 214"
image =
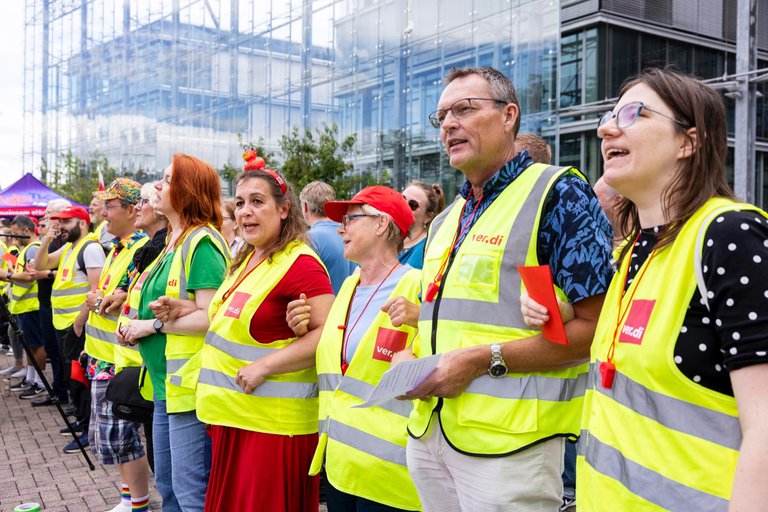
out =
column 497, row 370
column 157, row 324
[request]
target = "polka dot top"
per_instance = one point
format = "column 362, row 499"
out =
column 734, row 333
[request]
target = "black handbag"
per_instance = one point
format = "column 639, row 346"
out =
column 127, row 402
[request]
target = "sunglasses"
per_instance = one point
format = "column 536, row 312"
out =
column 413, row 205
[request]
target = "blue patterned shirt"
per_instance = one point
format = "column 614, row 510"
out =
column 574, row 236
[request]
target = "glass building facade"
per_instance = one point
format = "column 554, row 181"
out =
column 138, row 80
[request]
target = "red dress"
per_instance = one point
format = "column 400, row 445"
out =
column 256, row 471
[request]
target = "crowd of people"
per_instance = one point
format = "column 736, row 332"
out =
column 263, row 322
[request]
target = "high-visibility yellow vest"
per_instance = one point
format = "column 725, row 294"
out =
column 285, row 403
column 68, row 294
column 656, row 440
column 183, row 352
column 129, row 355
column 8, row 266
column 23, row 296
column 479, row 304
column 4, row 285
column 364, row 447
column 100, row 339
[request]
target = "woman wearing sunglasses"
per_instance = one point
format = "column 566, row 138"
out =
column 675, row 409
column 425, row 201
column 363, row 447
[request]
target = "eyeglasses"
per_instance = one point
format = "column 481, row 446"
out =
column 413, row 204
column 460, row 109
column 349, row 216
column 629, row 113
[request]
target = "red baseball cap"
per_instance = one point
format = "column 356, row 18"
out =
column 73, row 212
column 380, row 197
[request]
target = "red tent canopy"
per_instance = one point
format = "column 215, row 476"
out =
column 28, row 196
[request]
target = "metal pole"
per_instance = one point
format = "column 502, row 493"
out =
column 746, row 101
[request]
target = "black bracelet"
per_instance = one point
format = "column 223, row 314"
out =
column 50, row 274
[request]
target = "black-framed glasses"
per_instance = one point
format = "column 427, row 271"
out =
column 413, row 204
column 350, row 216
column 460, row 109
column 629, row 113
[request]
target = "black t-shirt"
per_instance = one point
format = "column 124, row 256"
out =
column 45, row 286
column 733, row 333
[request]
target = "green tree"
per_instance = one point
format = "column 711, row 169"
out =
column 78, row 179
column 319, row 156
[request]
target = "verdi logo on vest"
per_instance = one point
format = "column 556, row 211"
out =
column 488, row 239
column 173, row 282
column 637, row 321
column 235, row 306
column 388, row 343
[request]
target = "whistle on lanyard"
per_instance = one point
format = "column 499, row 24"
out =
column 433, row 288
column 607, row 372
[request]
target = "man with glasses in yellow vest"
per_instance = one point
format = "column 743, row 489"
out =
column 78, row 264
column 487, row 431
column 23, row 302
column 114, row 440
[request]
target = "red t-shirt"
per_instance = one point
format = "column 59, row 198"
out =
column 307, row 276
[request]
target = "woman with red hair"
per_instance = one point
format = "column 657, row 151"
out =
column 183, row 278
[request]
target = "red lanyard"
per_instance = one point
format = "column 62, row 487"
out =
column 241, row 278
column 347, row 332
column 608, row 367
column 434, row 286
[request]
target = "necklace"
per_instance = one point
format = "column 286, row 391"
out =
column 347, row 332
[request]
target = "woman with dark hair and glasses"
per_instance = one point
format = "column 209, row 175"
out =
column 425, row 201
column 675, row 410
column 257, row 389
column 362, row 447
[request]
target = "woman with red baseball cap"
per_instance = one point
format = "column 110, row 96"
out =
column 363, row 447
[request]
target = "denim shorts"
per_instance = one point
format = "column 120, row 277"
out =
column 113, row 440
column 33, row 331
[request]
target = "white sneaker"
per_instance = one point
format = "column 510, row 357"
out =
column 120, row 508
column 8, row 372
column 20, row 374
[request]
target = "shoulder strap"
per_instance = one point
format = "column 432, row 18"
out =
column 81, row 256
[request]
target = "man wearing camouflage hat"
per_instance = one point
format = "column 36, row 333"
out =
column 113, row 440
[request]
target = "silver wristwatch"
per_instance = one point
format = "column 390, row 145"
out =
column 498, row 368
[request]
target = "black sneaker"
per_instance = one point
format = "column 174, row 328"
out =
column 21, row 386
column 73, row 448
column 78, row 428
column 32, row 392
column 45, row 400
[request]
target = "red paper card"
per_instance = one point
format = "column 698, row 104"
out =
column 540, row 287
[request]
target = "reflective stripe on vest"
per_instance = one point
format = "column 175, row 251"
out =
column 649, row 485
column 367, row 443
column 504, row 312
column 100, row 339
column 267, row 389
column 362, row 390
column 183, row 351
column 68, row 297
column 673, row 413
column 285, row 403
column 23, row 294
column 363, row 447
column 642, row 434
column 479, row 304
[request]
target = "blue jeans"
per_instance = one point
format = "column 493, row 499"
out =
column 182, row 459
column 162, row 455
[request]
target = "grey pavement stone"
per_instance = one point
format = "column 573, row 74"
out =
column 36, row 469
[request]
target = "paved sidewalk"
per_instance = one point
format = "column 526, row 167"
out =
column 35, row 469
